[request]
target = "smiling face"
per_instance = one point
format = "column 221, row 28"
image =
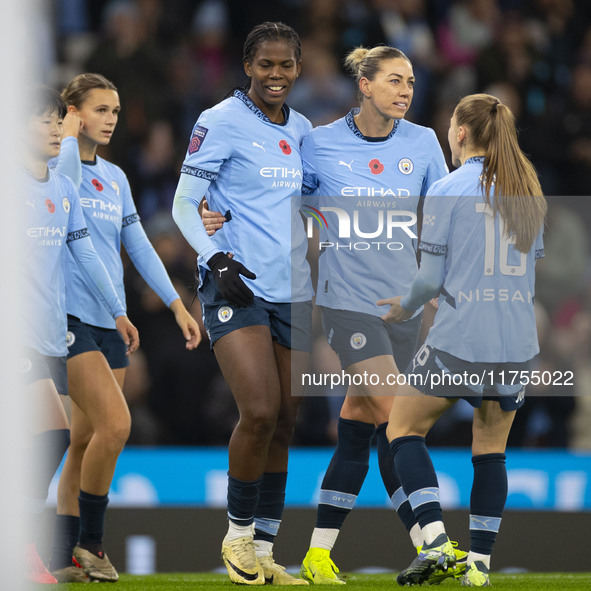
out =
column 99, row 113
column 273, row 71
column 391, row 90
column 45, row 135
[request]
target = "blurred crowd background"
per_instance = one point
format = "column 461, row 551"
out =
column 171, row 59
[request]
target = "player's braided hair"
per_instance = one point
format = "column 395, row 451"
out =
column 269, row 31
column 77, row 91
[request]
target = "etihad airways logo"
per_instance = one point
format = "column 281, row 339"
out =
column 46, row 231
column 374, row 192
column 94, row 203
column 47, row 235
column 281, row 172
column 283, row 178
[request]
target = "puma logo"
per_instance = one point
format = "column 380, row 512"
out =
column 261, row 146
column 342, row 163
column 429, row 492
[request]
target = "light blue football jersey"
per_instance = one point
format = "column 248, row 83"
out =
column 486, row 309
column 111, row 217
column 369, row 244
column 52, row 216
column 107, row 206
column 255, row 170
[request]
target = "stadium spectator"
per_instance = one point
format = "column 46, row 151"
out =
column 133, row 60
column 405, row 26
column 467, row 28
column 464, row 30
column 323, row 91
column 245, row 154
column 575, row 129
column 560, row 277
column 492, row 215
column 154, row 173
column 97, row 355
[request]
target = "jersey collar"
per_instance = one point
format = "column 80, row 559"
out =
column 474, row 160
column 239, row 94
column 350, row 119
column 31, row 175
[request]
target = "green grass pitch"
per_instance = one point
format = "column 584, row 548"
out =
column 355, row 582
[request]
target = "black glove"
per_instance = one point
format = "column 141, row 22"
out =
column 226, row 272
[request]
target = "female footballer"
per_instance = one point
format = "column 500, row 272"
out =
column 53, row 222
column 97, row 357
column 377, row 164
column 478, row 253
column 255, row 284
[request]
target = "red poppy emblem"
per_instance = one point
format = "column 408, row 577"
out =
column 376, row 166
column 97, row 185
column 285, row 147
column 50, row 205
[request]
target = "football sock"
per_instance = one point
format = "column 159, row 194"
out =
column 65, row 536
column 416, row 535
column 237, row 531
column 269, row 509
column 345, row 474
column 419, row 481
column 263, row 548
column 431, row 531
column 46, row 453
column 92, row 521
column 487, row 501
column 324, row 538
column 474, row 556
column 391, row 481
column 243, row 497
